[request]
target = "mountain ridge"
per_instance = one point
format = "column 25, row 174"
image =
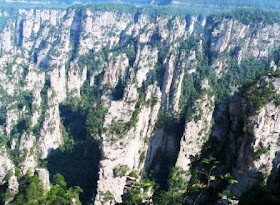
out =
column 136, row 102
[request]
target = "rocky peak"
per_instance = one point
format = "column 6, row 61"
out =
column 150, row 82
column 257, row 157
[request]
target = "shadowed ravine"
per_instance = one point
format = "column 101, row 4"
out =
column 78, row 160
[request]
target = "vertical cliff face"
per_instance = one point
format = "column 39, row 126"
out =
column 258, row 154
column 197, row 128
column 7, row 173
column 142, row 70
column 241, row 41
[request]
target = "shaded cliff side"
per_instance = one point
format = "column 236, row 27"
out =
column 142, row 90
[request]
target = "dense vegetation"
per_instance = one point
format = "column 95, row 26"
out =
column 259, row 92
column 259, row 194
column 3, row 96
column 262, row 4
column 198, row 7
column 82, row 124
column 82, row 119
column 32, row 192
column 236, row 75
column 150, row 10
column 248, row 16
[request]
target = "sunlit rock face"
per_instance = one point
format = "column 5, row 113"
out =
column 49, row 55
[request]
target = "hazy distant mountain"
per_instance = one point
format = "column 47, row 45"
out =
column 268, row 4
column 262, row 4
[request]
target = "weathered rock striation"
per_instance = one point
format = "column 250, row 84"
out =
column 47, row 56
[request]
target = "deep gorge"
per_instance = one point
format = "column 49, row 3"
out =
column 142, row 106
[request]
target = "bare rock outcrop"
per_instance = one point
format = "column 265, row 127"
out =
column 258, row 158
column 197, row 129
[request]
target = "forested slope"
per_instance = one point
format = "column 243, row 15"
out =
column 138, row 104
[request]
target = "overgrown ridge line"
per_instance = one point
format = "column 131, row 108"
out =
column 122, row 103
